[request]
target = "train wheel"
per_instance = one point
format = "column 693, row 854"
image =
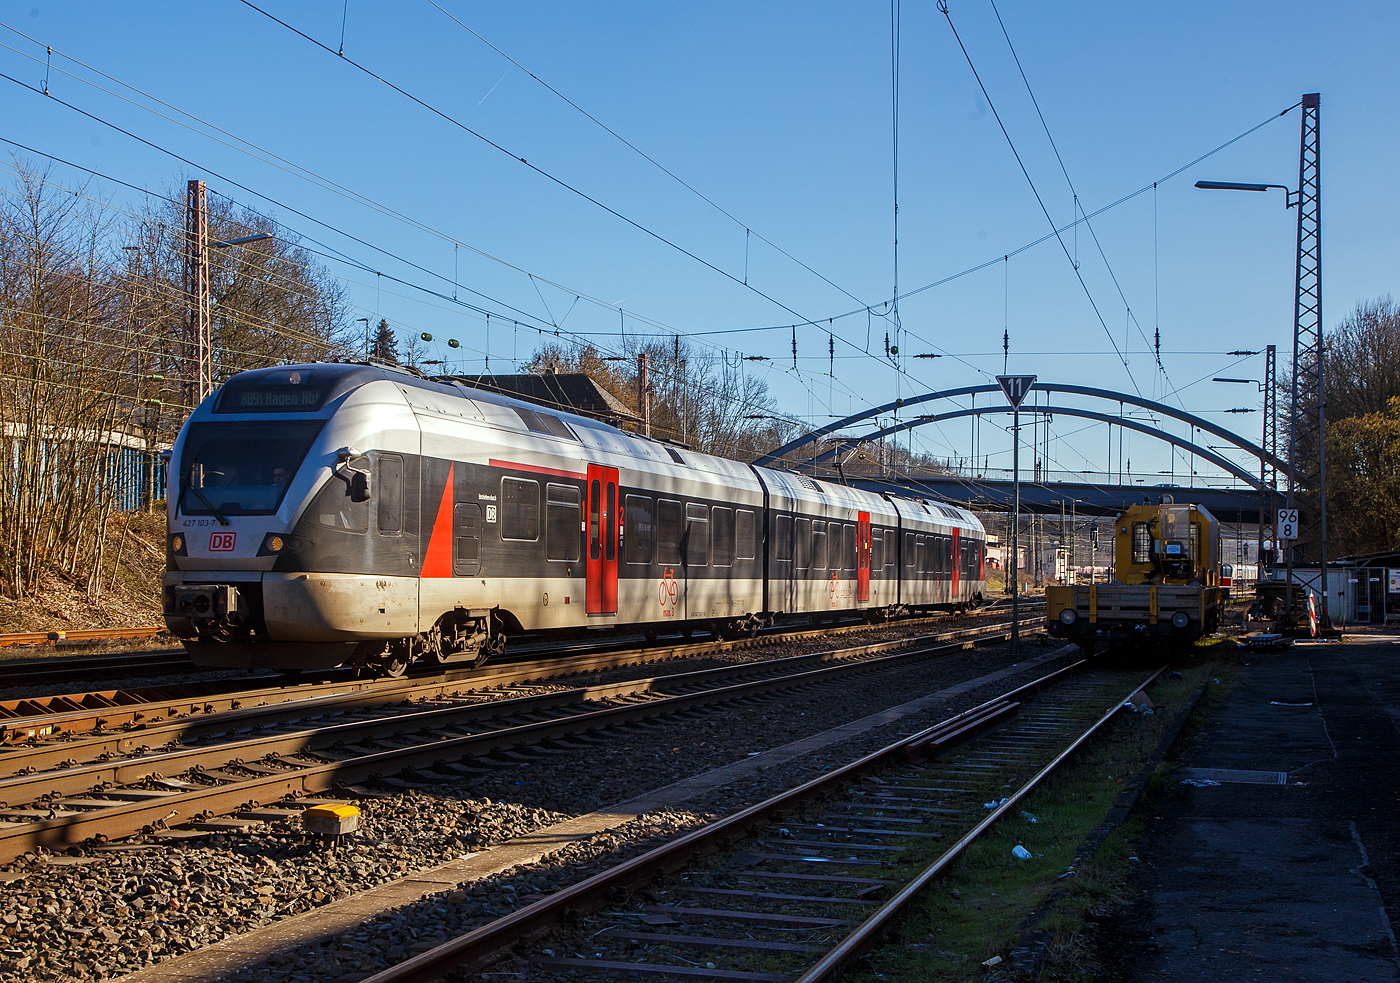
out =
column 393, row 667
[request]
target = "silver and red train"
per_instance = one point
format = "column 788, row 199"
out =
column 355, row 513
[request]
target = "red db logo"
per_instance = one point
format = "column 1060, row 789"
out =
column 221, row 542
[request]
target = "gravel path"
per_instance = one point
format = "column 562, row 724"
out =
column 96, row 917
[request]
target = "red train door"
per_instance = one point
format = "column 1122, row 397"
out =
column 863, row 558
column 601, row 566
column 957, row 563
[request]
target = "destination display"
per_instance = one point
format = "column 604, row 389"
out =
column 270, row 398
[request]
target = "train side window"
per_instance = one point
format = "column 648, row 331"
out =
column 848, row 552
column 595, row 507
column 669, row 527
column 466, row 539
column 802, row 543
column 334, row 507
column 390, row 495
column 639, row 528
column 610, row 526
column 745, row 534
column 722, row 536
column 782, row 539
column 696, row 544
column 911, row 553
column 819, row 546
column 1142, row 543
column 891, row 548
column 562, row 514
column 877, row 550
column 520, row 509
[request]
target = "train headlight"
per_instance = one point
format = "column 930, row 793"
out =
column 1068, row 616
column 1180, row 620
column 274, row 543
column 177, row 544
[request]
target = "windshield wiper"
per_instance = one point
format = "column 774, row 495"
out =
column 191, row 486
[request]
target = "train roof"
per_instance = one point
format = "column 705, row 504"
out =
column 328, row 381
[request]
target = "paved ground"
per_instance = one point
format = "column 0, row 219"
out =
column 1295, row 881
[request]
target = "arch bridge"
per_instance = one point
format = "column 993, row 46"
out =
column 1236, row 505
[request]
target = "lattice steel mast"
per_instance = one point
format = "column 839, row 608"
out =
column 1307, row 418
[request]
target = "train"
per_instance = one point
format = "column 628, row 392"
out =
column 359, row 513
column 1168, row 588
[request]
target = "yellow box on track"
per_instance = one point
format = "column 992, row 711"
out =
column 331, row 820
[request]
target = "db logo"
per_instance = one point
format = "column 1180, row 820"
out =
column 666, row 593
column 221, row 542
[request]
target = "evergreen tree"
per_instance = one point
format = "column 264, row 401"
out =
column 386, row 348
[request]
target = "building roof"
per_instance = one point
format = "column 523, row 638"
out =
column 573, row 392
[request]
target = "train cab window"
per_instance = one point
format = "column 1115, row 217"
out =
column 877, row 550
column 466, row 539
column 802, row 543
column 722, row 536
column 639, row 524
column 562, row 516
column 336, row 509
column 819, row 546
column 389, row 495
column 1142, row 543
column 520, row 509
column 848, row 550
column 669, row 527
column 745, row 534
column 695, row 551
column 911, row 552
column 782, row 539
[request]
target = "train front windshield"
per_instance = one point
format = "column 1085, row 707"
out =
column 241, row 468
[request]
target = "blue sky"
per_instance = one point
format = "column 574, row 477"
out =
column 780, row 114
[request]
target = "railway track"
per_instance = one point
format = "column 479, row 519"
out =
column 799, row 886
column 33, row 718
column 77, row 635
column 61, row 794
column 62, row 669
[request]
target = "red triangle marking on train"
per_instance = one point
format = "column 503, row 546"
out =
column 437, row 558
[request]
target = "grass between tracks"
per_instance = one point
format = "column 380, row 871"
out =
column 989, row 899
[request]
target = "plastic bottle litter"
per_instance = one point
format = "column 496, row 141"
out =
column 995, row 803
column 994, row 961
column 1029, row 818
column 1020, row 852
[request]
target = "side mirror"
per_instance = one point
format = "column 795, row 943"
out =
column 359, row 486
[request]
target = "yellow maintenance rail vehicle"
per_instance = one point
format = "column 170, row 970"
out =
column 1167, row 586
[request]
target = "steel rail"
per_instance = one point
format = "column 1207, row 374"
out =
column 58, row 669
column 198, row 708
column 873, row 929
column 25, row 785
column 176, row 807
column 482, row 945
column 77, row 635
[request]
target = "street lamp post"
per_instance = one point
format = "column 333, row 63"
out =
column 1267, row 443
